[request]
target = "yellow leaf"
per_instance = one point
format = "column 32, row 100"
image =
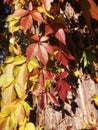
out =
column 22, row 127
column 12, row 40
column 95, row 99
column 27, row 108
column 77, row 73
column 21, row 80
column 34, row 78
column 9, row 59
column 29, row 126
column 33, row 64
column 19, row 113
column 7, row 78
column 43, row 10
column 17, row 49
column 12, row 122
column 19, row 60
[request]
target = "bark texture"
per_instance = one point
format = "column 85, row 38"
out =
column 74, row 114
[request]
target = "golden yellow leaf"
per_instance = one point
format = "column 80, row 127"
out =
column 29, row 126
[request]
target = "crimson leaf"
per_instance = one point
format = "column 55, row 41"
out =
column 43, row 100
column 62, row 87
column 44, row 76
column 53, row 98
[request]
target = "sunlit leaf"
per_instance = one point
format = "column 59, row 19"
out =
column 40, row 49
column 19, row 60
column 27, row 108
column 34, row 78
column 95, row 99
column 9, row 59
column 7, row 110
column 43, row 10
column 53, row 98
column 60, row 34
column 26, row 22
column 33, row 64
column 21, row 80
column 19, row 113
column 46, row 3
column 4, row 125
column 29, row 126
column 7, row 78
column 17, row 49
column 93, row 9
column 12, row 121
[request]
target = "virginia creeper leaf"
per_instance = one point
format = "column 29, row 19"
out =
column 46, row 3
column 62, row 87
column 29, row 126
column 43, row 100
column 33, row 64
column 53, row 98
column 93, row 9
column 60, row 35
column 26, row 22
column 18, row 60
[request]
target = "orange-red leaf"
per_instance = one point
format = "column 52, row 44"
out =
column 21, row 13
column 93, row 9
column 26, row 22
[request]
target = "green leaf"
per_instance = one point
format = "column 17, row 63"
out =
column 33, row 64
column 19, row 60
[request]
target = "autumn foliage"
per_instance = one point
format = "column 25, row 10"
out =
column 42, row 69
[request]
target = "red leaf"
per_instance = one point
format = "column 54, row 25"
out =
column 35, row 37
column 69, row 56
column 21, row 13
column 26, row 22
column 48, row 47
column 37, row 16
column 48, row 30
column 63, row 75
column 46, row 3
column 44, row 38
column 47, row 74
column 44, row 76
column 37, row 92
column 42, row 80
column 43, row 100
column 62, row 59
column 60, row 35
column 7, row 1
column 63, row 87
column 53, row 98
column 29, row 51
column 39, row 49
column 93, row 9
column 43, row 55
